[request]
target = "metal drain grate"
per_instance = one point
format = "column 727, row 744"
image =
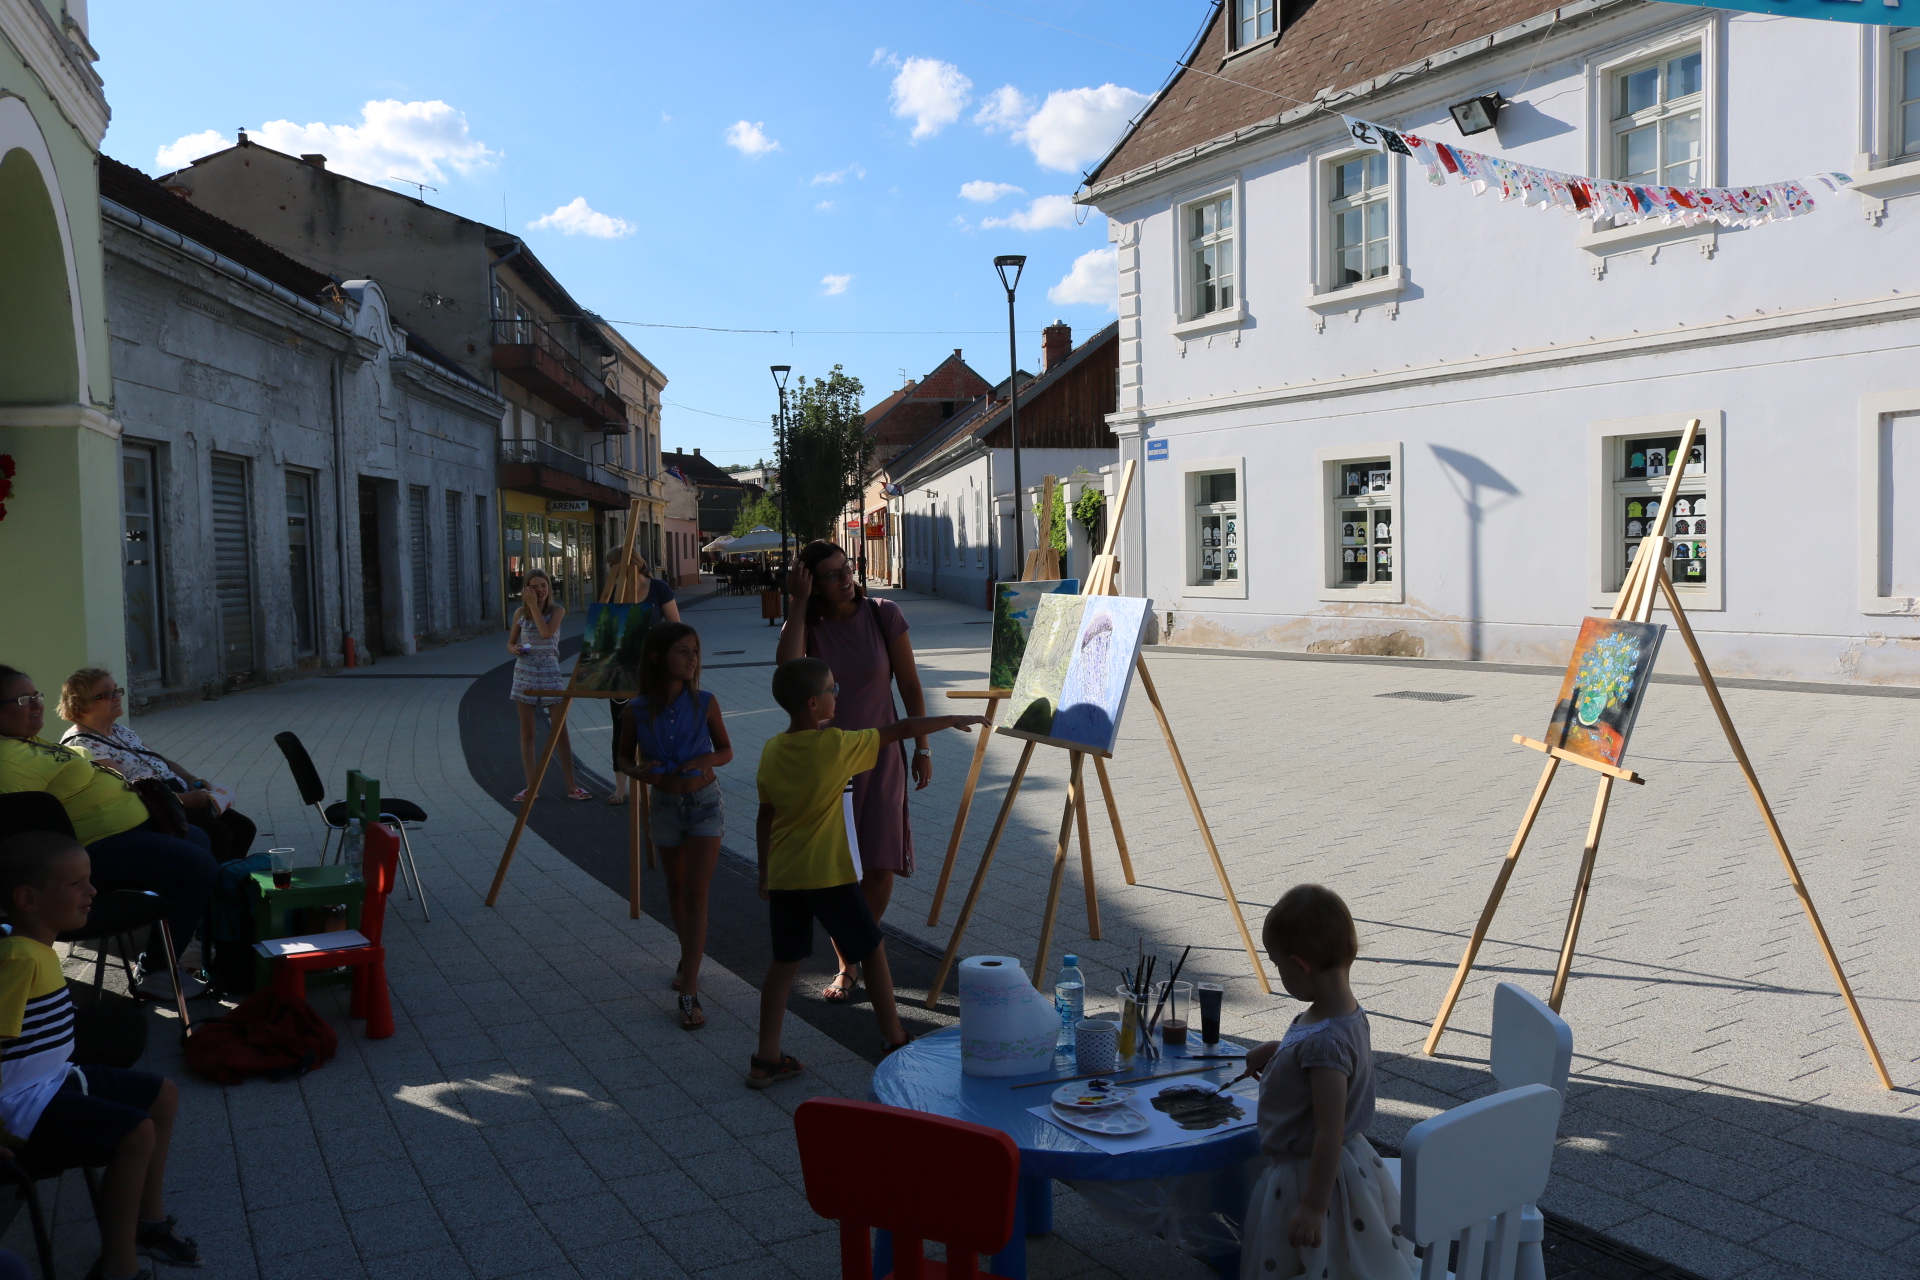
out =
column 1418, row 695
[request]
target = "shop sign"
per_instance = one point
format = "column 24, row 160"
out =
column 877, row 527
column 570, row 506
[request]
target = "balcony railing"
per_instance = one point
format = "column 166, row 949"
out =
column 546, row 455
column 526, row 351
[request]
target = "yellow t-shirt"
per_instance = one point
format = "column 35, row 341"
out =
column 98, row 803
column 805, row 777
column 36, row 1033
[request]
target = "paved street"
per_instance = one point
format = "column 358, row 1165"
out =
column 537, row 1112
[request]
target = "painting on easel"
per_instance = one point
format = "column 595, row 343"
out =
column 1014, row 606
column 1073, row 682
column 610, row 650
column 1605, row 683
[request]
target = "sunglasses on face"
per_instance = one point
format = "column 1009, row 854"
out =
column 111, row 695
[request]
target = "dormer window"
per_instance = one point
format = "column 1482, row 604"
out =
column 1257, row 19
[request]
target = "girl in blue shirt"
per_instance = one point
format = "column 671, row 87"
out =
column 673, row 739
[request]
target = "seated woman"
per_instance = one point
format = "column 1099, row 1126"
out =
column 128, row 849
column 94, row 701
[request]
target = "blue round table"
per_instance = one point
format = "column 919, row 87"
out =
column 926, row 1076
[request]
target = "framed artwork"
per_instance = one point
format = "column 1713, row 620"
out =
column 609, row 664
column 1014, row 604
column 1073, row 681
column 1604, row 685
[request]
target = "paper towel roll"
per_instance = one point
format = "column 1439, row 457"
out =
column 1006, row 1027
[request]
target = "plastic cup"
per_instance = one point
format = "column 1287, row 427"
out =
column 282, row 866
column 1174, row 1000
column 1129, row 1021
column 1210, row 994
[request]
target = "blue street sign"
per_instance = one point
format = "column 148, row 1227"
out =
column 1880, row 13
column 1156, row 451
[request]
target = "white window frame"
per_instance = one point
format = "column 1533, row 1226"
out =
column 1185, row 322
column 1656, row 116
column 1237, row 37
column 1607, row 491
column 1900, row 42
column 1875, row 409
column 1330, row 494
column 1322, row 292
column 1190, row 473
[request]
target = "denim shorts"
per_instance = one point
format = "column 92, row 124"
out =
column 677, row 819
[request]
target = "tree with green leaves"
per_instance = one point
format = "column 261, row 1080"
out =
column 828, row 457
column 763, row 510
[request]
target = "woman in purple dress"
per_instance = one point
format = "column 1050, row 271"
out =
column 865, row 641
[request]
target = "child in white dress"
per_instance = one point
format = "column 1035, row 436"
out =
column 1325, row 1208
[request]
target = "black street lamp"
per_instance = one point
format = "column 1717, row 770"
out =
column 1016, row 262
column 780, row 372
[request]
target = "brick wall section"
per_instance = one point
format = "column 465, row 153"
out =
column 1331, row 44
column 904, row 418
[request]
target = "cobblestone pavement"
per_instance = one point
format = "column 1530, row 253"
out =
column 538, row 1114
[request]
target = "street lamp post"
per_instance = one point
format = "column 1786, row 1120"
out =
column 1016, row 263
column 780, row 372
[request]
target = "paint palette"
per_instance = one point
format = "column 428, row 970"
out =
column 1089, row 1095
column 1114, row 1122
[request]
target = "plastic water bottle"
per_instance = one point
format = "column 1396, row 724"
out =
column 1070, row 998
column 353, row 847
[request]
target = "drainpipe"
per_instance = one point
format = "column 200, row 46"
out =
column 340, row 507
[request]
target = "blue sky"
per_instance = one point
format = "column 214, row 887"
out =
column 748, row 166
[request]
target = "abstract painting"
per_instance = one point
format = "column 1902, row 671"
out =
column 1014, row 604
column 1073, row 682
column 610, row 650
column 1603, row 688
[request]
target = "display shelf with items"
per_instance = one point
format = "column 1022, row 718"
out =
column 1364, row 521
column 1217, row 528
column 1686, row 528
column 1652, row 458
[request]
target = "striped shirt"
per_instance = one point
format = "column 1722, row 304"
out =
column 36, row 1033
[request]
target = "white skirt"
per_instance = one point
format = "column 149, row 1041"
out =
column 1362, row 1240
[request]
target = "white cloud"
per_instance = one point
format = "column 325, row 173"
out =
column 840, row 175
column 1075, row 127
column 988, row 192
column 1094, row 280
column 182, row 152
column 750, row 140
column 835, row 284
column 931, row 93
column 577, row 218
column 406, row 140
column 1044, row 213
column 881, row 55
column 825, row 206
column 665, row 118
column 1004, row 111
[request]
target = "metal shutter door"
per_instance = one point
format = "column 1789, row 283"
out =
column 232, row 565
column 417, row 522
column 456, row 570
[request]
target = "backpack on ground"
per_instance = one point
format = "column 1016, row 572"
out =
column 267, row 1035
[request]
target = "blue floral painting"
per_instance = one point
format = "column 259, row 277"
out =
column 1605, row 682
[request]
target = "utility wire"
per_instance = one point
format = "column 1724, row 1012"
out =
column 707, row 328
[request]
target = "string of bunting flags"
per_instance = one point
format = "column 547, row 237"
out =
column 1624, row 202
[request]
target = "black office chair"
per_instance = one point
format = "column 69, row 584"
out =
column 334, row 816
column 116, row 915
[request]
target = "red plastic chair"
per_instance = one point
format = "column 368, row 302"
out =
column 370, row 999
column 918, row 1176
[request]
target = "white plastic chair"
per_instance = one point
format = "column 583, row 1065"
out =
column 1467, row 1172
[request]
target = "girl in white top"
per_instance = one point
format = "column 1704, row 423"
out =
column 1325, row 1207
column 533, row 638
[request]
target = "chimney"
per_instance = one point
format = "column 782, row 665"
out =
column 1056, row 340
column 314, row 158
column 696, row 451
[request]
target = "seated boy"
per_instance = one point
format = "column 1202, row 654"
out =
column 809, row 855
column 72, row 1116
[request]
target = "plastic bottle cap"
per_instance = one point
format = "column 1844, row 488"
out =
column 1072, row 960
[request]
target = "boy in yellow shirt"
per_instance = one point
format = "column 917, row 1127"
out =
column 809, row 854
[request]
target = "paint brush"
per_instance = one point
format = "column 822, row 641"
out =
column 1170, row 981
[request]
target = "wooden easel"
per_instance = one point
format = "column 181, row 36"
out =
column 1042, row 565
column 1635, row 604
column 620, row 588
column 1100, row 581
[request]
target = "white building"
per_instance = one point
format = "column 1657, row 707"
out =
column 1380, row 416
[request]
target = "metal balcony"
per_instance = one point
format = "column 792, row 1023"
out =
column 534, row 466
column 527, row 352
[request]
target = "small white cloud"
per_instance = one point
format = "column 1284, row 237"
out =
column 839, row 175
column 1094, row 281
column 665, row 118
column 750, row 139
column 988, row 192
column 831, row 285
column 577, row 218
column 881, row 55
column 1045, row 213
column 825, row 206
column 410, row 141
column 1075, row 127
column 182, row 152
column 1004, row 111
column 931, row 93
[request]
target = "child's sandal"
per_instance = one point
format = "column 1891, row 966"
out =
column 162, row 1243
column 888, row 1049
column 786, row 1069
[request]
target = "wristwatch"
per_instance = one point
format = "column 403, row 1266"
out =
column 923, row 751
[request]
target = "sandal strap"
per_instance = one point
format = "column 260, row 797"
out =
column 786, row 1060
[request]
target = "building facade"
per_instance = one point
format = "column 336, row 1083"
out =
column 721, row 493
column 298, row 482
column 1375, row 415
column 57, row 429
column 635, row 456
